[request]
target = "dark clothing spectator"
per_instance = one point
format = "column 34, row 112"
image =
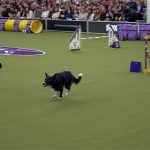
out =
column 68, row 15
column 62, row 13
column 38, row 12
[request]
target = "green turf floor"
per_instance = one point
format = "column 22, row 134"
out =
column 108, row 110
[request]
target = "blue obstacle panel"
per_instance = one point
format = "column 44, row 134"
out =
column 135, row 66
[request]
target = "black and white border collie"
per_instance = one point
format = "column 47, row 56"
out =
column 61, row 80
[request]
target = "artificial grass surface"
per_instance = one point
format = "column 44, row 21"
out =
column 109, row 109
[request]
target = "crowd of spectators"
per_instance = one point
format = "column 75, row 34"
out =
column 92, row 10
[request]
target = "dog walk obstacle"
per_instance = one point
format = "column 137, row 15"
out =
column 147, row 56
column 113, row 40
column 21, row 25
column 75, row 40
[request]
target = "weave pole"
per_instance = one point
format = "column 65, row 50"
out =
column 146, row 55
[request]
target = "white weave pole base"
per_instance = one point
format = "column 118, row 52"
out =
column 148, row 11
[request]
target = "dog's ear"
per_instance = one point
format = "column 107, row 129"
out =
column 46, row 74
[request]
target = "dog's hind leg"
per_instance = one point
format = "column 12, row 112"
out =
column 68, row 87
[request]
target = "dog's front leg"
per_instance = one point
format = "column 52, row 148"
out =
column 55, row 93
column 60, row 95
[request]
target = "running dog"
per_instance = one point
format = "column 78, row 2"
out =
column 61, row 80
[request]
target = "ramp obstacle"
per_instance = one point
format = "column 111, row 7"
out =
column 75, row 40
column 21, row 25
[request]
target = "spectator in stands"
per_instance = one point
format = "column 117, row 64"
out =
column 7, row 11
column 83, row 15
column 29, row 13
column 103, row 14
column 97, row 15
column 68, row 15
column 91, row 14
column 45, row 12
column 19, row 13
column 2, row 7
column 62, row 13
column 55, row 13
column 117, row 9
column 143, row 7
column 75, row 15
column 110, row 12
column 38, row 12
column 107, row 17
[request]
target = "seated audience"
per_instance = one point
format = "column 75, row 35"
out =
column 55, row 13
column 75, row 15
column 92, row 10
column 82, row 14
column 45, row 12
column 62, row 13
column 68, row 15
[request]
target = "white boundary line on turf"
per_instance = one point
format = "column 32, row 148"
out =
column 97, row 37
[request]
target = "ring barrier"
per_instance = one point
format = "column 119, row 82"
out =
column 28, row 26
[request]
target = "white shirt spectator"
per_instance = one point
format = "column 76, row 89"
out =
column 45, row 13
column 56, row 13
column 83, row 15
column 30, row 14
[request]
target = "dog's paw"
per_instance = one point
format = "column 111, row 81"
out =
column 53, row 96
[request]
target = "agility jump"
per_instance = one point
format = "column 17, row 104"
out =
column 113, row 40
column 75, row 40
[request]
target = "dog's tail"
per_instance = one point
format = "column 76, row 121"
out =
column 77, row 80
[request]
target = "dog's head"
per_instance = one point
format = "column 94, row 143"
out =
column 47, row 81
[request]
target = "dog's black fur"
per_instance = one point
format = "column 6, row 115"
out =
column 0, row 65
column 60, row 80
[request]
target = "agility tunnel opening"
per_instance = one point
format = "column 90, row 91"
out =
column 8, row 26
column 28, row 26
